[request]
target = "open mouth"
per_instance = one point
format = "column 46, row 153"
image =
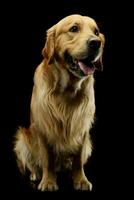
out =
column 81, row 67
column 86, row 66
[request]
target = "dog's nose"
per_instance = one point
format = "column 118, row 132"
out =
column 94, row 45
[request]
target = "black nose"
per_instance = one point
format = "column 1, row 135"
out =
column 94, row 45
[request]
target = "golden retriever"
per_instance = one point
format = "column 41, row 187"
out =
column 62, row 104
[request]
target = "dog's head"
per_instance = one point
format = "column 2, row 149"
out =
column 77, row 43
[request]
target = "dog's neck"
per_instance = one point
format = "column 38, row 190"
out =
column 67, row 81
column 61, row 80
column 66, row 84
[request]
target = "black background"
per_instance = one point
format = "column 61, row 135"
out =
column 23, row 36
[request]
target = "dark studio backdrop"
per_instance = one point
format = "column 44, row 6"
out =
column 24, row 26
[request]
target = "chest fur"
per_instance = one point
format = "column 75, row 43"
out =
column 64, row 116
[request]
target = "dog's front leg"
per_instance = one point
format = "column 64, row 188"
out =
column 48, row 181
column 79, row 178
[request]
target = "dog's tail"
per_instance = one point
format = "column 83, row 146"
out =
column 22, row 149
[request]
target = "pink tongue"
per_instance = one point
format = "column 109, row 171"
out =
column 87, row 70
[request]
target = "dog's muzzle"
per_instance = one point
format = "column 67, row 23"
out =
column 87, row 65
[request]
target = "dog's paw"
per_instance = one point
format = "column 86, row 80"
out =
column 48, row 185
column 83, row 184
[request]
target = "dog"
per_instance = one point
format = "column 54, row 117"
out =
column 62, row 104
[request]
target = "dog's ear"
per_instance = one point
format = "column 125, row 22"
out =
column 48, row 50
column 99, row 63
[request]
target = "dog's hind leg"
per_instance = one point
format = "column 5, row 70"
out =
column 23, row 151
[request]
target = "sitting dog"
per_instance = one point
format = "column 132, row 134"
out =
column 62, row 104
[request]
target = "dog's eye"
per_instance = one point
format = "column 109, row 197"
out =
column 96, row 32
column 74, row 29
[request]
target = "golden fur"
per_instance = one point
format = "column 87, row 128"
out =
column 62, row 108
